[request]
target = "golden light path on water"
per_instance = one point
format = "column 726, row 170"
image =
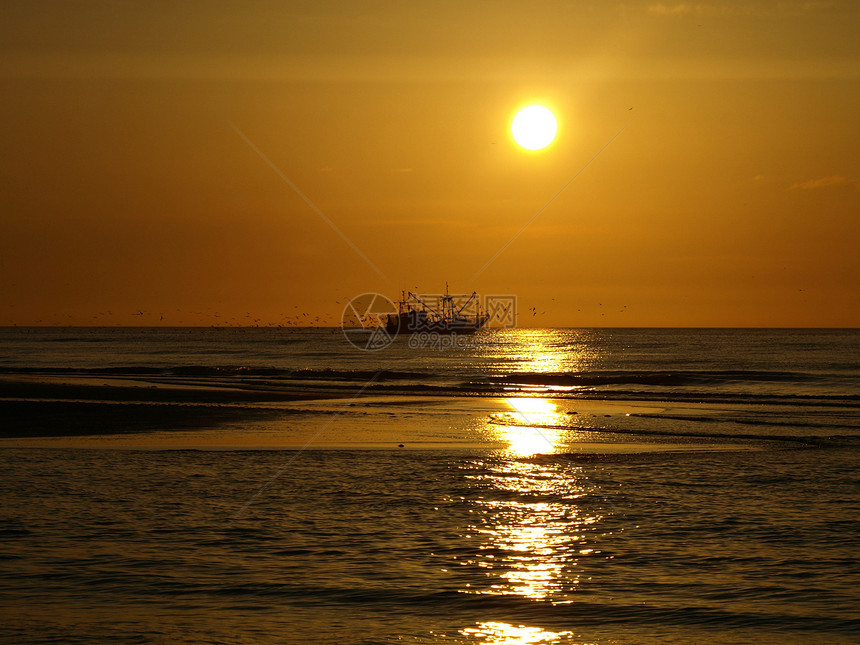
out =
column 531, row 432
column 530, row 542
column 532, row 525
column 531, row 521
column 534, row 424
column 506, row 634
column 548, row 351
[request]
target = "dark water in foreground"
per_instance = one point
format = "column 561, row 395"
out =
column 756, row 543
column 421, row 547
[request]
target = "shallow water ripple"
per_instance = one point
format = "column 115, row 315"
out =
column 383, row 547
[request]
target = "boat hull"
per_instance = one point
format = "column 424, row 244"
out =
column 408, row 323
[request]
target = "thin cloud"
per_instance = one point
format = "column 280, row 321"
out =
column 671, row 10
column 823, row 182
column 712, row 9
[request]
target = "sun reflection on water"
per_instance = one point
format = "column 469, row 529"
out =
column 535, row 515
column 528, row 428
column 534, row 529
column 506, row 634
column 552, row 351
column 533, row 548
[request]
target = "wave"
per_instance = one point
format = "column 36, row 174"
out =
column 714, row 386
column 595, row 378
column 659, row 378
column 776, row 422
column 224, row 371
column 809, row 441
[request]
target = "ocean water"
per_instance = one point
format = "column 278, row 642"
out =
column 553, row 486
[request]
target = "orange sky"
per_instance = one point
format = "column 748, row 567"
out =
column 731, row 197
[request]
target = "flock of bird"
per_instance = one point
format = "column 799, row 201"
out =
column 296, row 318
column 217, row 319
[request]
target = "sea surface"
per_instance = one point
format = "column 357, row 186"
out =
column 520, row 486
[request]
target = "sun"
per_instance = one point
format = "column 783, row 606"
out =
column 534, row 127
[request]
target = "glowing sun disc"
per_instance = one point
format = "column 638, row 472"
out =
column 534, row 127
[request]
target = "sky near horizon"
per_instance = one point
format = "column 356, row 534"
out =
column 187, row 163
